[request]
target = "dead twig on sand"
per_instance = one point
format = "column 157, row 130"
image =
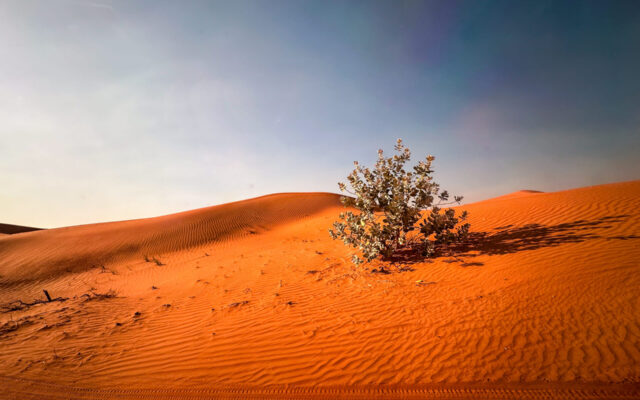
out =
column 18, row 305
column 104, row 270
column 158, row 262
column 240, row 303
column 99, row 296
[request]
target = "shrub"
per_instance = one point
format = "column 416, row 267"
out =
column 397, row 210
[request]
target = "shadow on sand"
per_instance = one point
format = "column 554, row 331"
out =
column 508, row 239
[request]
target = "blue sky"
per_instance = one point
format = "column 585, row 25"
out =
column 114, row 110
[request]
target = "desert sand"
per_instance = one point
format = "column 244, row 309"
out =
column 253, row 299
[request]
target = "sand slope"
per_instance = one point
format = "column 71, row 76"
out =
column 8, row 229
column 255, row 294
column 49, row 253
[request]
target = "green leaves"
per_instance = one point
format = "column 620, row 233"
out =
column 392, row 204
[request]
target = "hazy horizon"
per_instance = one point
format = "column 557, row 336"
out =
column 113, row 110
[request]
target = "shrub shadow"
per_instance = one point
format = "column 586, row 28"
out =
column 536, row 236
column 508, row 240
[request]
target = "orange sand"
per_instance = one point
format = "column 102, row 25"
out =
column 253, row 298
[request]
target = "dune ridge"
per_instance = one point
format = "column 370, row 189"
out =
column 544, row 294
column 8, row 229
column 72, row 249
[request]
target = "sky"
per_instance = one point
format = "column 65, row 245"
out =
column 113, row 110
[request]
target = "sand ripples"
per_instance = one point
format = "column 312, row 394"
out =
column 545, row 293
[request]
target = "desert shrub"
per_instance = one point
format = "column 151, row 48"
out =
column 397, row 209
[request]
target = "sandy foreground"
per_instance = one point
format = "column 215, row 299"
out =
column 253, row 299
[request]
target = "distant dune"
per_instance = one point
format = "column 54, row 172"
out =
column 519, row 193
column 8, row 229
column 49, row 253
column 253, row 299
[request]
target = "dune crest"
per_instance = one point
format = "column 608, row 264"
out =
column 8, row 229
column 48, row 253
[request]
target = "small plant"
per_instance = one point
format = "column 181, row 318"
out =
column 397, row 209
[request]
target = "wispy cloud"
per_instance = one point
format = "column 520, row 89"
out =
column 92, row 4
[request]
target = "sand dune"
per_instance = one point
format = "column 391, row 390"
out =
column 254, row 299
column 49, row 253
column 8, row 229
column 519, row 193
